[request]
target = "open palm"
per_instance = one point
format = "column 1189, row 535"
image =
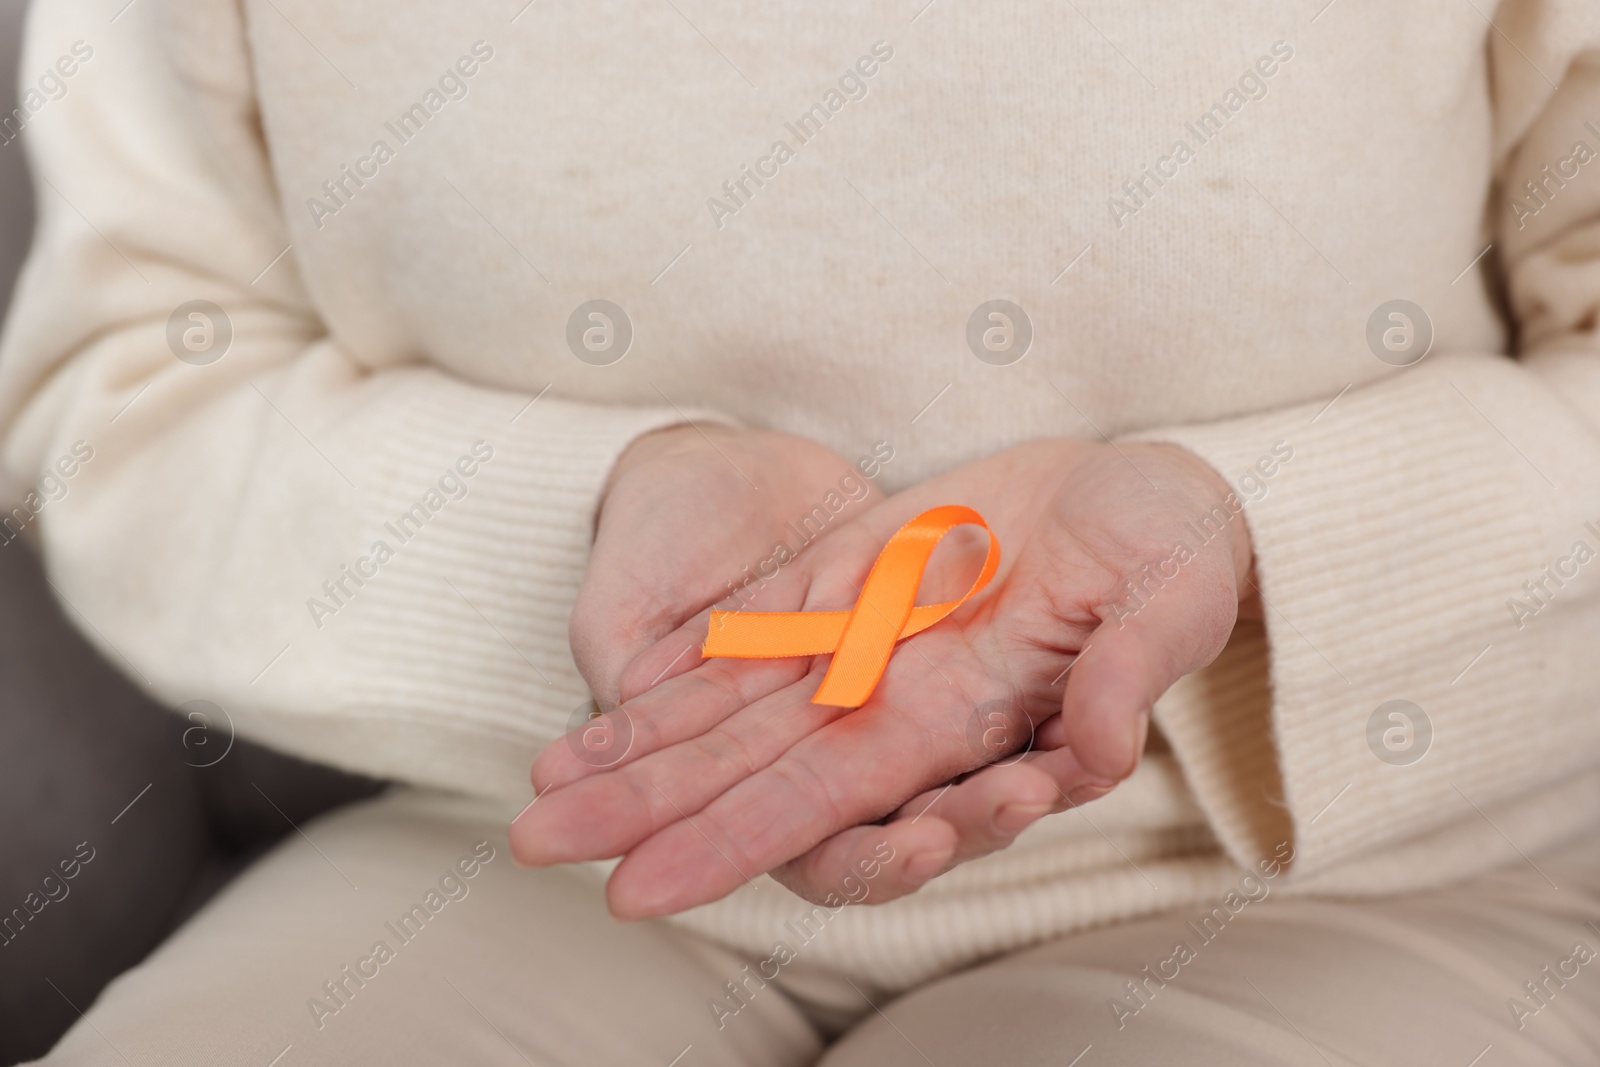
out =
column 732, row 771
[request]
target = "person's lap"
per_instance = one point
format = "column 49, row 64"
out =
column 501, row 965
column 1405, row 981
column 512, row 966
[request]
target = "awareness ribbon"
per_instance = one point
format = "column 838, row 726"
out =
column 863, row 638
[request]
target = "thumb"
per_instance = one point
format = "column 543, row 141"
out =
column 616, row 617
column 1145, row 643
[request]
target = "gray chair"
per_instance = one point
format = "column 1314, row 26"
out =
column 16, row 195
column 87, row 758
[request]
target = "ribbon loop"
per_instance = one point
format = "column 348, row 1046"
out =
column 863, row 638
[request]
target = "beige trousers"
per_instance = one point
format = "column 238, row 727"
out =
column 399, row 932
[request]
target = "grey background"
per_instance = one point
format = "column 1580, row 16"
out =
column 16, row 196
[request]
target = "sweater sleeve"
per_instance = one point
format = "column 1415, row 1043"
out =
column 1429, row 556
column 368, row 565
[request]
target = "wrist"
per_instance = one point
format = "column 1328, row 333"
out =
column 645, row 447
column 1213, row 489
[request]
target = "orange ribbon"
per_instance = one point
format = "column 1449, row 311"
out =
column 863, row 638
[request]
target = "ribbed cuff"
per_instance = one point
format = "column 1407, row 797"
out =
column 1387, row 545
column 458, row 648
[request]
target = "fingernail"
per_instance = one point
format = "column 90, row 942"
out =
column 1011, row 818
column 924, row 865
column 1087, row 792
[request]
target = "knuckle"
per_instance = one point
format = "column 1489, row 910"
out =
column 812, row 787
column 653, row 805
column 723, row 687
column 727, row 750
column 801, row 879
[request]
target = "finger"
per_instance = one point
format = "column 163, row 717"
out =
column 690, row 713
column 991, row 806
column 980, row 814
column 620, row 614
column 679, row 652
column 673, row 693
column 854, row 771
column 673, row 712
column 871, row 864
column 605, row 638
column 825, row 576
column 642, row 580
column 1050, row 734
column 605, row 815
column 1134, row 657
column 674, row 655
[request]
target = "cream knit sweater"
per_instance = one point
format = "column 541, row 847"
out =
column 394, row 210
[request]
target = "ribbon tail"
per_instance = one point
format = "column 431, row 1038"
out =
column 773, row 634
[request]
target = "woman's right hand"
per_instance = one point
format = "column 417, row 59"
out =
column 686, row 510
